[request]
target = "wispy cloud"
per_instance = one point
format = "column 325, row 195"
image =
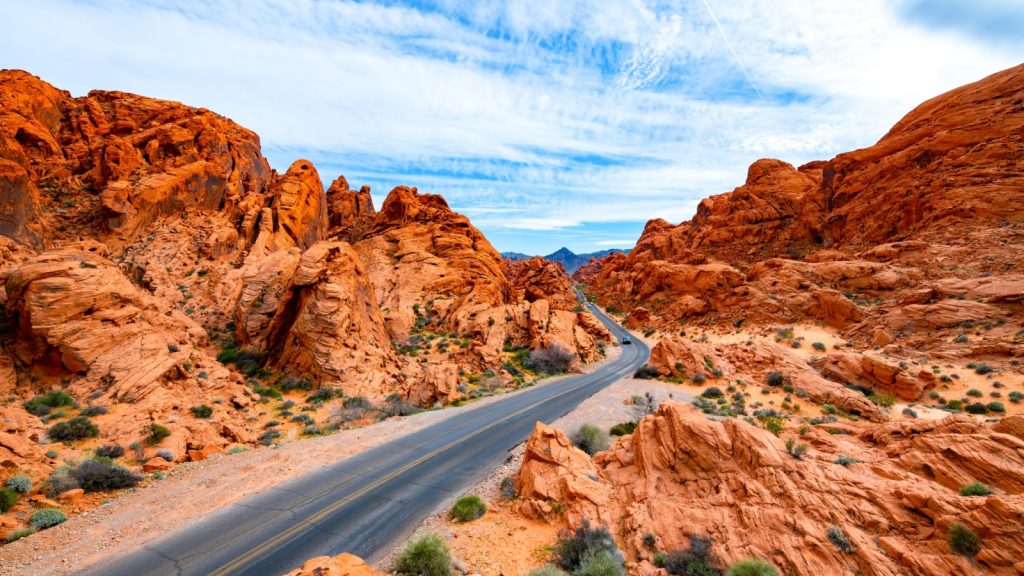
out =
column 549, row 123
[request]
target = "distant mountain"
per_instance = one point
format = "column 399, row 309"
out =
column 569, row 259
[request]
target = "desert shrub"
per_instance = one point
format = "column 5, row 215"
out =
column 267, row 392
column 77, row 428
column 697, row 560
column 551, row 360
column 574, row 547
column 547, row 570
column 246, row 361
column 267, row 437
column 1016, row 397
column 96, row 475
column 590, row 439
column 776, row 379
column 954, row 405
column 291, row 382
column 19, row 534
column 996, row 407
column 982, row 369
column 976, row 408
column 427, row 556
column 93, row 410
column 110, row 451
column 42, row 404
column 357, row 402
column 202, row 411
column 699, row 379
column 974, row 393
column 650, row 541
column 165, row 454
column 883, row 399
column 19, row 483
column 963, row 540
column 712, row 392
column 600, row 563
column 975, row 489
column 910, row 412
column 795, row 450
column 819, row 346
column 773, row 425
column 659, row 559
column 46, row 518
column 622, row 428
column 60, row 480
column 322, row 395
column 8, row 498
column 508, row 487
column 646, row 373
column 157, row 433
column 752, row 567
column 468, row 508
column 838, row 538
column 395, row 405
column 846, row 460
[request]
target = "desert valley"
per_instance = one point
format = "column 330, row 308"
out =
column 821, row 372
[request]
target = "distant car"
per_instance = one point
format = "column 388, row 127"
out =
column 626, row 340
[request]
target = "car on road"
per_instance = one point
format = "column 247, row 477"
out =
column 626, row 340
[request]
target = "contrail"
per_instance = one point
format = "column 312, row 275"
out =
column 732, row 51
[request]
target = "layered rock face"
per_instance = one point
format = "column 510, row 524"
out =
column 141, row 237
column 540, row 279
column 681, row 474
column 866, row 240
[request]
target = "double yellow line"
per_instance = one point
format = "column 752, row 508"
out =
column 296, row 528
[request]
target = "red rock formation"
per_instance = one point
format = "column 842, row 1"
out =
column 341, row 565
column 537, row 278
column 350, row 213
column 681, row 474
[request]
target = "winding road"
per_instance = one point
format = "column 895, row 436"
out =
column 367, row 503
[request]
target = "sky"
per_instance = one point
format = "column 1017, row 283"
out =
column 548, row 122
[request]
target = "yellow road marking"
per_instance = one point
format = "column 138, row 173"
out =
column 253, row 553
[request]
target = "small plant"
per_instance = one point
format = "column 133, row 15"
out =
column 795, row 450
column 982, row 369
column 659, row 559
column 267, row 438
column 883, row 399
column 650, row 541
column 819, row 346
column 77, row 428
column 42, row 404
column 590, row 439
column 622, row 429
column 975, row 489
column 573, row 548
column 97, row 475
column 752, row 567
column 468, row 508
column 19, row 534
column 976, row 408
column 157, row 433
column 165, row 454
column 46, row 518
column 974, row 393
column 551, row 360
column 646, row 373
column 1016, row 397
column 8, row 498
column 20, row 483
column 267, row 392
column 547, row 570
column 996, row 407
column 838, row 538
column 963, row 540
column 846, row 460
column 600, row 563
column 202, row 411
column 697, row 560
column 712, row 392
column 93, row 411
column 776, row 379
column 699, row 379
column 427, row 556
column 508, row 488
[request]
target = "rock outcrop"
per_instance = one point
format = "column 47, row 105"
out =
column 681, row 474
column 340, row 565
column 539, row 279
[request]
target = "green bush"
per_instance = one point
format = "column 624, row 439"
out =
column 818, row 346
column 712, row 392
column 752, row 567
column 19, row 483
column 98, row 474
column 622, row 429
column 19, row 534
column 267, row 392
column 846, row 460
column 776, row 379
column 547, row 570
column 77, row 428
column 46, row 518
column 42, row 404
column 698, row 379
column 590, row 439
column 883, row 399
column 202, row 411
column 8, row 498
column 659, row 560
column 573, row 548
column 976, row 408
column 963, row 540
column 600, row 563
column 110, row 451
column 508, row 488
column 247, row 362
column 697, row 560
column 427, row 556
column 975, row 489
column 157, row 433
column 468, row 508
column 996, row 407
column 974, row 393
column 838, row 538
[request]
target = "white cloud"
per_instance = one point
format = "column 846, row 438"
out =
column 529, row 114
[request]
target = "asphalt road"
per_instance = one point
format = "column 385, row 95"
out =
column 367, row 503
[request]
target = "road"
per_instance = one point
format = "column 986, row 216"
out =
column 367, row 503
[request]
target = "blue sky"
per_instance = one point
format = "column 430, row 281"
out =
column 549, row 123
